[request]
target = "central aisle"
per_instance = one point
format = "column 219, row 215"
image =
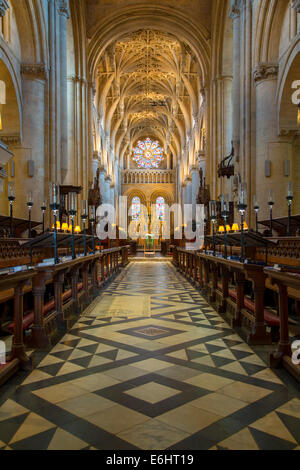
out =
column 151, row 365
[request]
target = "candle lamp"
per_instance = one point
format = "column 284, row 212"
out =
column 271, row 204
column 30, row 206
column 54, row 206
column 43, row 209
column 256, row 209
column 290, row 198
column 93, row 220
column 205, row 229
column 84, row 217
column 72, row 214
column 213, row 218
column 242, row 207
column 11, row 198
column 225, row 214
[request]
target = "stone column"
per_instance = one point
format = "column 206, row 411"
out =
column 91, row 97
column 235, row 15
column 34, row 77
column 195, row 188
column 107, row 189
column 102, row 183
column 54, row 94
column 268, row 145
column 64, row 15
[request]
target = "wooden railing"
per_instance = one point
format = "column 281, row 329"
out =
column 238, row 290
column 74, row 283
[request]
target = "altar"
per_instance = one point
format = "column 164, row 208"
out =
column 150, row 244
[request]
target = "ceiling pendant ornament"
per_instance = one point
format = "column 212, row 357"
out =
column 148, row 154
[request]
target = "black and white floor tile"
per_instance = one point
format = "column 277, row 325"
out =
column 180, row 378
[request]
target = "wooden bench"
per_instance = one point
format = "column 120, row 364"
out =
column 18, row 358
column 283, row 355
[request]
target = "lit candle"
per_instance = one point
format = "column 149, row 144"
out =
column 11, row 190
column 271, row 197
column 223, row 205
column 92, row 213
column 29, row 199
column 84, row 208
column 243, row 194
column 212, row 208
column 54, row 194
column 290, row 190
column 72, row 202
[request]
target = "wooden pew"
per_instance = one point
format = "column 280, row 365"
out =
column 18, row 358
column 212, row 274
column 283, row 355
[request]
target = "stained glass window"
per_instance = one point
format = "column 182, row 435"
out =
column 148, row 154
column 135, row 208
column 160, row 208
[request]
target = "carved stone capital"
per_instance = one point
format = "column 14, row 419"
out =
column 96, row 155
column 3, row 7
column 11, row 140
column 296, row 5
column 35, row 71
column 77, row 79
column 235, row 9
column 265, row 71
column 63, row 8
column 289, row 132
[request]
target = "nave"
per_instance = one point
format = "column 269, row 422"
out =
column 150, row 365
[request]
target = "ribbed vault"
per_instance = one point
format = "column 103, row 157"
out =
column 149, row 82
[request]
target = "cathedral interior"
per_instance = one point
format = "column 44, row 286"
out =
column 149, row 225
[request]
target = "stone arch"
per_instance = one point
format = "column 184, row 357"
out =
column 12, row 110
column 135, row 193
column 268, row 27
column 161, row 193
column 286, row 109
column 11, row 115
column 132, row 18
column 32, row 31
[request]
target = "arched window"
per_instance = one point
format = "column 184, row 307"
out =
column 135, row 208
column 148, row 154
column 5, row 24
column 160, row 208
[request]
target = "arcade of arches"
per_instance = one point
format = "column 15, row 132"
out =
column 166, row 103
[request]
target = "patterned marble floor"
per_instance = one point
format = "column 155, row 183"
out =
column 150, row 365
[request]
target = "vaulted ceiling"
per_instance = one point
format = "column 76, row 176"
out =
column 149, row 83
column 149, row 87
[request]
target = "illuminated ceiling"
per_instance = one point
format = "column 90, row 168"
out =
column 148, row 85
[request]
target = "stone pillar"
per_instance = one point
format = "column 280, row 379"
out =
column 268, row 145
column 195, row 188
column 91, row 97
column 102, row 184
column 34, row 77
column 54, row 94
column 64, row 15
column 107, row 190
column 235, row 15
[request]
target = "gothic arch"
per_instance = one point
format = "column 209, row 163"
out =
column 129, row 19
